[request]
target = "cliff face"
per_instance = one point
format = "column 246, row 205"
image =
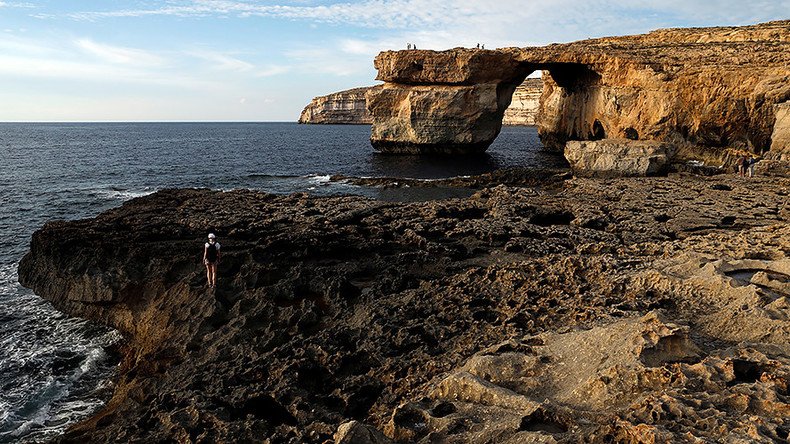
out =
column 448, row 321
column 350, row 107
column 524, row 105
column 344, row 107
column 780, row 139
column 707, row 87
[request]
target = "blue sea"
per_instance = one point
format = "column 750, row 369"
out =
column 56, row 370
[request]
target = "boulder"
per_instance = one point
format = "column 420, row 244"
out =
column 618, row 157
column 355, row 432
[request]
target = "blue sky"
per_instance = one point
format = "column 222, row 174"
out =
column 245, row 60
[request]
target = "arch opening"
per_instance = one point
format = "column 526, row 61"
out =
column 569, row 103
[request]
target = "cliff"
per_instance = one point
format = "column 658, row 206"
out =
column 703, row 89
column 523, row 108
column 780, row 139
column 596, row 310
column 344, row 107
column 350, row 107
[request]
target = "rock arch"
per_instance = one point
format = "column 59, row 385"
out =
column 699, row 88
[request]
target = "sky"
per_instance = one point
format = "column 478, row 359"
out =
column 247, row 60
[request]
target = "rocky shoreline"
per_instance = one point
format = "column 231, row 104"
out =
column 583, row 310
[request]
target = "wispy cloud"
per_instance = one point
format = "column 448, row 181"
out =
column 17, row 5
column 467, row 14
column 119, row 55
column 64, row 60
column 38, row 67
column 222, row 61
column 326, row 59
column 272, row 70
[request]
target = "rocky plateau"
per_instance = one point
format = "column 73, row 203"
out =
column 635, row 310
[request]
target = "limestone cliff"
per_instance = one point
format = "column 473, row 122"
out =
column 350, row 107
column 523, row 109
column 780, row 139
column 517, row 315
column 344, row 107
column 707, row 87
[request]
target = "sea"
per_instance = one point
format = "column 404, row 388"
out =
column 56, row 370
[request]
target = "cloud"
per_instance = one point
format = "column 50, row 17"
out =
column 272, row 70
column 328, row 59
column 17, row 5
column 28, row 67
column 516, row 17
column 62, row 59
column 119, row 55
column 223, row 62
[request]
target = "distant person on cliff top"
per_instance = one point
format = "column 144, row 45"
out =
column 211, row 257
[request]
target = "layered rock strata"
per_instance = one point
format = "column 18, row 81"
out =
column 525, row 103
column 780, row 139
column 618, row 157
column 708, row 87
column 345, row 108
column 593, row 310
column 350, row 107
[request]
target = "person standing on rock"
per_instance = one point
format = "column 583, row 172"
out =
column 211, row 255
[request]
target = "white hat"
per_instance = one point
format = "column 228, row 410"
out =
column 211, row 236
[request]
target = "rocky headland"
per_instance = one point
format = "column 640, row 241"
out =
column 343, row 108
column 705, row 90
column 584, row 310
column 350, row 106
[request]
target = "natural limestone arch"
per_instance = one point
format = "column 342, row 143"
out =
column 701, row 89
column 464, row 113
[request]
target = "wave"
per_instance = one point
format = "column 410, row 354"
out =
column 119, row 193
column 53, row 369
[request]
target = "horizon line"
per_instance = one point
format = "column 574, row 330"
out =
column 146, row 121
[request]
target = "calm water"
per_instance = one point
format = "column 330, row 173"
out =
column 55, row 370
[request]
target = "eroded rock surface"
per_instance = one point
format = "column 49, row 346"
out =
column 345, row 108
column 702, row 87
column 780, row 139
column 593, row 310
column 350, row 107
column 619, row 157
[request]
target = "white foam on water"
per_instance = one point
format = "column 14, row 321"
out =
column 59, row 365
column 319, row 179
column 125, row 194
